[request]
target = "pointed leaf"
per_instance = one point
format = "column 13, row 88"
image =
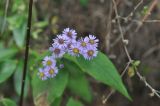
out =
column 102, row 69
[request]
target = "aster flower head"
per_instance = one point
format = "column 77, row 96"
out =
column 83, row 42
column 60, row 41
column 74, row 49
column 90, row 53
column 42, row 74
column 69, row 33
column 92, row 40
column 49, row 61
column 51, row 71
column 57, row 52
column 69, row 43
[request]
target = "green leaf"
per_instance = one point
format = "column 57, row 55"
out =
column 56, row 102
column 72, row 102
column 83, row 3
column 78, row 84
column 18, row 80
column 136, row 63
column 7, row 53
column 19, row 34
column 41, row 24
column 103, row 70
column 53, row 88
column 7, row 70
column 7, row 102
column 15, row 21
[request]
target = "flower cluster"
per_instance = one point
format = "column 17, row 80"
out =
column 67, row 43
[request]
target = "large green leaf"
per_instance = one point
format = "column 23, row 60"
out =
column 102, row 69
column 18, row 79
column 7, row 53
column 7, row 70
column 7, row 102
column 72, row 102
column 56, row 102
column 78, row 84
column 50, row 89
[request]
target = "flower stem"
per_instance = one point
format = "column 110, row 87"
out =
column 26, row 52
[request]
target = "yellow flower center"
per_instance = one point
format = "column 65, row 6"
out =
column 41, row 74
column 49, row 63
column 83, row 44
column 76, row 50
column 91, row 41
column 51, row 71
column 90, row 53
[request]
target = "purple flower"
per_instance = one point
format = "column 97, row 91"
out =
column 51, row 71
column 60, row 41
column 61, row 66
column 74, row 49
column 83, row 44
column 90, row 53
column 42, row 74
column 49, row 61
column 92, row 40
column 57, row 52
column 70, row 34
column 69, row 43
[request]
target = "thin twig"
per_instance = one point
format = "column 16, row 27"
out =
column 121, row 32
column 109, row 25
column 135, row 8
column 151, row 50
column 154, row 92
column 26, row 52
column 152, row 6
